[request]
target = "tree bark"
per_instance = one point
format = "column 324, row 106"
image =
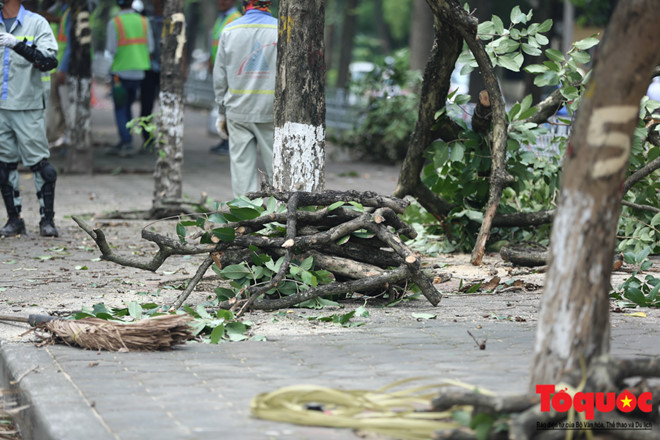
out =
column 574, row 322
column 168, row 175
column 435, row 87
column 421, row 35
column 299, row 144
column 79, row 81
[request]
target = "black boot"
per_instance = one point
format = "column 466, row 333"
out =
column 46, row 195
column 15, row 225
column 47, row 227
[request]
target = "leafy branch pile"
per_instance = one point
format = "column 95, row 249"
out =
column 281, row 249
column 480, row 170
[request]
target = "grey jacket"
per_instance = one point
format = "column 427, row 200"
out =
column 245, row 66
column 23, row 86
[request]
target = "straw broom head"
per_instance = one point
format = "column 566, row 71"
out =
column 151, row 334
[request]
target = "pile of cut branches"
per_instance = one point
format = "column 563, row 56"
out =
column 280, row 249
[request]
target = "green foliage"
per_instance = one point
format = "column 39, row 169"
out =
column 343, row 319
column 382, row 133
column 260, row 267
column 145, row 124
column 633, row 291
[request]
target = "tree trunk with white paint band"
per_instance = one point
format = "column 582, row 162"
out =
column 299, row 144
column 168, row 175
column 79, row 80
column 574, row 322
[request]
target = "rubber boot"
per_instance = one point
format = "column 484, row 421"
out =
column 15, row 225
column 47, row 222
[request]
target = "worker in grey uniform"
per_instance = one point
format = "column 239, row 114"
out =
column 244, row 84
column 29, row 52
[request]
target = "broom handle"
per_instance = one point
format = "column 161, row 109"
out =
column 33, row 320
column 13, row 318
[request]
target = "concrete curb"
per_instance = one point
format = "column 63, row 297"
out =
column 56, row 408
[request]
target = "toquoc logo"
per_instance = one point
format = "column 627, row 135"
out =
column 587, row 403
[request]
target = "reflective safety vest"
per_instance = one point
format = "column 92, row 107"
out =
column 217, row 29
column 62, row 37
column 132, row 50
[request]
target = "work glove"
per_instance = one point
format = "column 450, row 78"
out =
column 7, row 39
column 221, row 125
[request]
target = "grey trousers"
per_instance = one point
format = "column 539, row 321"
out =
column 246, row 140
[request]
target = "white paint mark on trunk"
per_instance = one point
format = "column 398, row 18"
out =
column 600, row 135
column 181, row 38
column 298, row 157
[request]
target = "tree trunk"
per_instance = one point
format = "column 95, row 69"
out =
column 299, row 144
column 574, row 322
column 168, row 175
column 383, row 28
column 421, row 35
column 435, row 88
column 349, row 27
column 79, row 117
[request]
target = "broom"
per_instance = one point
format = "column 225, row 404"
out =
column 151, row 334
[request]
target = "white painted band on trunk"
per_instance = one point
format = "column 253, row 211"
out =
column 298, row 151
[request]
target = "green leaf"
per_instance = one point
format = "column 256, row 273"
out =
column 545, row 26
column 482, row 424
column 517, row 16
column 202, row 313
column 245, row 213
column 536, row 68
column 217, row 334
column 424, row 316
column 498, row 25
column 555, row 55
column 635, row 295
column 343, row 240
column 309, row 278
column 581, row 57
column 485, row 29
column 531, row 50
column 362, row 312
column 511, row 61
column 235, row 271
column 335, row 205
column 135, row 310
column 223, row 294
column 457, row 152
column 629, row 257
column 100, row 308
column 235, row 331
column 217, row 218
column 181, row 232
column 542, row 40
column 225, row 234
column 226, row 315
column 587, row 43
column 307, row 263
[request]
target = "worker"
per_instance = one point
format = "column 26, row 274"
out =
column 29, row 49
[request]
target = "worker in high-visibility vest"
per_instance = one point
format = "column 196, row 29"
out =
column 228, row 12
column 129, row 42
